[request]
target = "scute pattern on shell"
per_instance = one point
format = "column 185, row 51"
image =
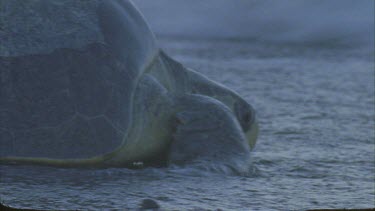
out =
column 66, row 84
column 67, row 101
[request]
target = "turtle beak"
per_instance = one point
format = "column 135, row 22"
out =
column 252, row 134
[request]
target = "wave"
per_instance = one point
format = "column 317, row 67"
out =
column 344, row 22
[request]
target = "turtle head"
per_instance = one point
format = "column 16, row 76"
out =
column 197, row 83
column 246, row 116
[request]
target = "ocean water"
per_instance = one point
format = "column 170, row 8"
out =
column 315, row 105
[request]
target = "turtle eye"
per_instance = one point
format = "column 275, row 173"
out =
column 244, row 114
column 247, row 117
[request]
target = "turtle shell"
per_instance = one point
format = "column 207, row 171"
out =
column 68, row 72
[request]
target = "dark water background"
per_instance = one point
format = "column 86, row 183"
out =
column 315, row 105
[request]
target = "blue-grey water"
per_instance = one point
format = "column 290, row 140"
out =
column 315, row 105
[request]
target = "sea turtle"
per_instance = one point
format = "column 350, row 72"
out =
column 83, row 84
